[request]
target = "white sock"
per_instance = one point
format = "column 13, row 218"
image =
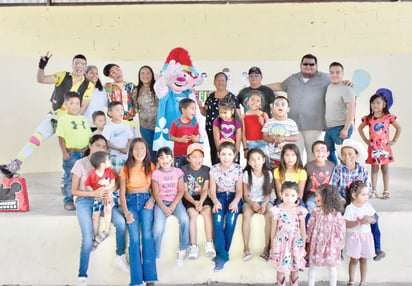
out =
column 312, row 275
column 333, row 276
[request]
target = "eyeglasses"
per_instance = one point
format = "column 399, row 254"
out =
column 308, row 64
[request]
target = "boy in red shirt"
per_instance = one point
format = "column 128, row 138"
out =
column 184, row 131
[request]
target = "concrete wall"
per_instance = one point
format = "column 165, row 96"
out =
column 370, row 36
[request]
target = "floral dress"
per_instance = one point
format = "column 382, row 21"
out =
column 288, row 248
column 326, row 235
column 379, row 153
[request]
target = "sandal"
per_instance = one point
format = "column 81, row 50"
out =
column 350, row 284
column 362, row 283
column 102, row 236
column 99, row 239
column 264, row 256
column 95, row 245
column 246, row 255
column 374, row 194
column 386, row 195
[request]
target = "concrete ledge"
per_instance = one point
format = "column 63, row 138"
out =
column 45, row 251
column 42, row 247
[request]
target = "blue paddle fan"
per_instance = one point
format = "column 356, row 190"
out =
column 360, row 80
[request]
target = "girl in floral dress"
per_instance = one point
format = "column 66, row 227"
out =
column 379, row 142
column 288, row 235
column 326, row 233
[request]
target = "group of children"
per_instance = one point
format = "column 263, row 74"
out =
column 303, row 214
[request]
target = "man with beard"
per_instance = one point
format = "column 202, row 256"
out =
column 306, row 94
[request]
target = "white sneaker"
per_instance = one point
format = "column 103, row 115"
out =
column 121, row 263
column 210, row 249
column 193, row 252
column 181, row 255
column 82, row 281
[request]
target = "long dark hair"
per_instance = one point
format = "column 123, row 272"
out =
column 228, row 103
column 282, row 166
column 267, row 183
column 354, row 188
column 331, row 200
column 98, row 84
column 372, row 99
column 140, row 83
column 93, row 139
column 130, row 161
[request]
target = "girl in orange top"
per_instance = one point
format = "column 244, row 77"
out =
column 137, row 203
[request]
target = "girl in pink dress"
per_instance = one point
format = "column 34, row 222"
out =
column 288, row 235
column 359, row 216
column 326, row 233
column 379, row 143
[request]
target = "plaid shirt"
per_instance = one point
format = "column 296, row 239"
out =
column 342, row 177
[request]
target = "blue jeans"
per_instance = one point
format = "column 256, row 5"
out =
column 142, row 267
column 84, row 210
column 332, row 138
column 224, row 224
column 260, row 144
column 67, row 179
column 311, row 203
column 159, row 226
column 148, row 135
column 376, row 233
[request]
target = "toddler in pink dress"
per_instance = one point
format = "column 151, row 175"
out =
column 288, row 235
column 326, row 233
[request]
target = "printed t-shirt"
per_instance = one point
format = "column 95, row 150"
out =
column 318, row 175
column 124, row 95
column 275, row 127
column 95, row 181
column 180, row 129
column 195, row 179
column 75, row 130
column 137, row 179
column 168, row 182
column 227, row 129
column 119, row 135
column 226, row 180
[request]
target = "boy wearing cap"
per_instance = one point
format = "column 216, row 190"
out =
column 349, row 171
column 120, row 90
column 196, row 200
column 339, row 110
column 255, row 80
column 184, row 131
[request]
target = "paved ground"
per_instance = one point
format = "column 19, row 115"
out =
column 211, row 283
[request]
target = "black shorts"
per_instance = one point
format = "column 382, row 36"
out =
column 207, row 202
